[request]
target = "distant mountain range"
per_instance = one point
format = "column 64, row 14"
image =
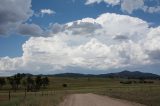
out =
column 123, row 74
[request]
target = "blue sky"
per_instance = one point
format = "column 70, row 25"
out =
column 37, row 19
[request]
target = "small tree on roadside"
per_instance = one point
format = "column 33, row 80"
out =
column 12, row 83
column 64, row 85
column 24, row 82
column 2, row 82
column 17, row 79
column 30, row 84
column 45, row 82
column 38, row 82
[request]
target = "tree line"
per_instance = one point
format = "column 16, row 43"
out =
column 30, row 83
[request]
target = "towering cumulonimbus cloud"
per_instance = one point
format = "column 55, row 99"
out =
column 107, row 42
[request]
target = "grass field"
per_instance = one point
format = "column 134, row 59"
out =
column 148, row 94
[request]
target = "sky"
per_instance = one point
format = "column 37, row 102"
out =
column 79, row 36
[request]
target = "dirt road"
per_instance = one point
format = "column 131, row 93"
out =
column 94, row 100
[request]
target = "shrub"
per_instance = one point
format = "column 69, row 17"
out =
column 126, row 82
column 64, row 85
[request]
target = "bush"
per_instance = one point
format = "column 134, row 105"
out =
column 126, row 82
column 2, row 82
column 64, row 85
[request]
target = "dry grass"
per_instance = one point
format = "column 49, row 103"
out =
column 47, row 98
column 148, row 94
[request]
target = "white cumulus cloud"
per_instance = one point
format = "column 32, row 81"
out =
column 47, row 11
column 112, row 2
column 129, row 5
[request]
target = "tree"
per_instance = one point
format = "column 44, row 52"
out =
column 45, row 82
column 64, row 85
column 2, row 82
column 24, row 82
column 12, row 82
column 38, row 82
column 17, row 79
column 30, row 84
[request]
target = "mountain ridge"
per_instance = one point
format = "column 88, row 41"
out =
column 122, row 74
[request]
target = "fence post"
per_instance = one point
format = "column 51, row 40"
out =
column 9, row 95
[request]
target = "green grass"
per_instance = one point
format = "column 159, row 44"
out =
column 148, row 94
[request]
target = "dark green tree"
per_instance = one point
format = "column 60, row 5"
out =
column 24, row 82
column 17, row 79
column 2, row 82
column 30, row 84
column 12, row 83
column 45, row 82
column 38, row 82
column 64, row 85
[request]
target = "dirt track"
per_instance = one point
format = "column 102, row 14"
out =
column 94, row 100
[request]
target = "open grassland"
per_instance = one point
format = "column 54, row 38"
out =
column 148, row 94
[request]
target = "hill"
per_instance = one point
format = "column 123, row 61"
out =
column 122, row 74
column 129, row 74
